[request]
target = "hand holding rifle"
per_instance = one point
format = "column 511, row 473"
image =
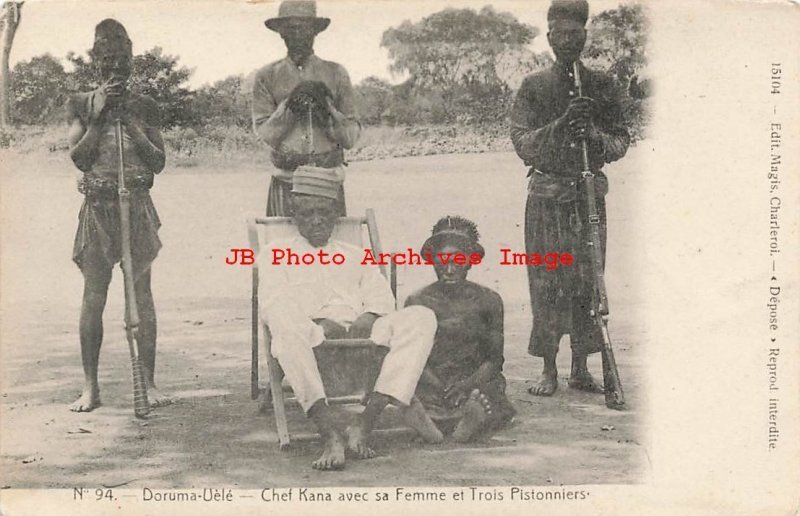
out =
column 108, row 100
column 310, row 96
column 579, row 119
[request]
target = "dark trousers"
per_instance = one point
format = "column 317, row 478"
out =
column 561, row 299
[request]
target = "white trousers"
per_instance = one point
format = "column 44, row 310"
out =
column 408, row 333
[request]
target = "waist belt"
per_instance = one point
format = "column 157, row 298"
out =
column 561, row 188
column 103, row 188
column 291, row 160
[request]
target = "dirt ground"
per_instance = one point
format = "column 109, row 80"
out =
column 213, row 434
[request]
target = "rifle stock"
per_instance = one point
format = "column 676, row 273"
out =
column 612, row 385
column 141, row 405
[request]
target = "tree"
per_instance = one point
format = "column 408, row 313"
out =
column 454, row 46
column 38, row 90
column 41, row 86
column 617, row 41
column 223, row 103
column 83, row 76
column 618, row 44
column 9, row 22
column 154, row 74
column 159, row 76
column 454, row 53
column 373, row 99
column 515, row 64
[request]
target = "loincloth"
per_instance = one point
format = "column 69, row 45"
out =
column 98, row 238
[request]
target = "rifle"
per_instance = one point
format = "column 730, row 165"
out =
column 612, row 386
column 309, row 130
column 141, row 405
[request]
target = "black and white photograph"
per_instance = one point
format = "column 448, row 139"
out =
column 353, row 256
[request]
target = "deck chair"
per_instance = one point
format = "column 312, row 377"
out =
column 349, row 367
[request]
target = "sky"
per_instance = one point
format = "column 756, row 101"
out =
column 225, row 37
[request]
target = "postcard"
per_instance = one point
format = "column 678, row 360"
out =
column 446, row 256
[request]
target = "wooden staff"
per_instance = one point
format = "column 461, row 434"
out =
column 310, row 131
column 141, row 405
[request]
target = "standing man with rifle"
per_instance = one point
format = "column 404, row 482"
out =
column 303, row 107
column 566, row 124
column 113, row 135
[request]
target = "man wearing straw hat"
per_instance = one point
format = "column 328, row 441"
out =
column 303, row 106
column 304, row 304
column 98, row 240
column 548, row 123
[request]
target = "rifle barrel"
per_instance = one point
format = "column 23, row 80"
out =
column 614, row 397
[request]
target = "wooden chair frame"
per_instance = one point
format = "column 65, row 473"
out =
column 276, row 388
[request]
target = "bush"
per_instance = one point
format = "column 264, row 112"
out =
column 638, row 116
column 382, row 142
column 188, row 146
column 6, row 138
column 28, row 139
column 232, row 144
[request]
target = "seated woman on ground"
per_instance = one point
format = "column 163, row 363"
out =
column 462, row 386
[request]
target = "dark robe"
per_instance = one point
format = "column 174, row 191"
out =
column 555, row 216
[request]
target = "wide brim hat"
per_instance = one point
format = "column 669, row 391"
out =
column 305, row 10
column 457, row 231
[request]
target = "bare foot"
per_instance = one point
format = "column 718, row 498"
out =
column 584, row 381
column 357, row 443
column 332, row 457
column 477, row 410
column 417, row 418
column 89, row 400
column 546, row 386
column 158, row 398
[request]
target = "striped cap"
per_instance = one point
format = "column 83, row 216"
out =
column 321, row 182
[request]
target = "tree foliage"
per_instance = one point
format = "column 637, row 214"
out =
column 455, row 46
column 618, row 44
column 460, row 66
column 515, row 64
column 38, row 90
column 618, row 41
column 452, row 56
column 160, row 77
column 10, row 18
column 374, row 99
column 223, row 103
column 41, row 86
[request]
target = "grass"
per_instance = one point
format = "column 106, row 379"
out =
column 227, row 147
column 190, row 147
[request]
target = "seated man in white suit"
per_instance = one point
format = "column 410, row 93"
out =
column 305, row 304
